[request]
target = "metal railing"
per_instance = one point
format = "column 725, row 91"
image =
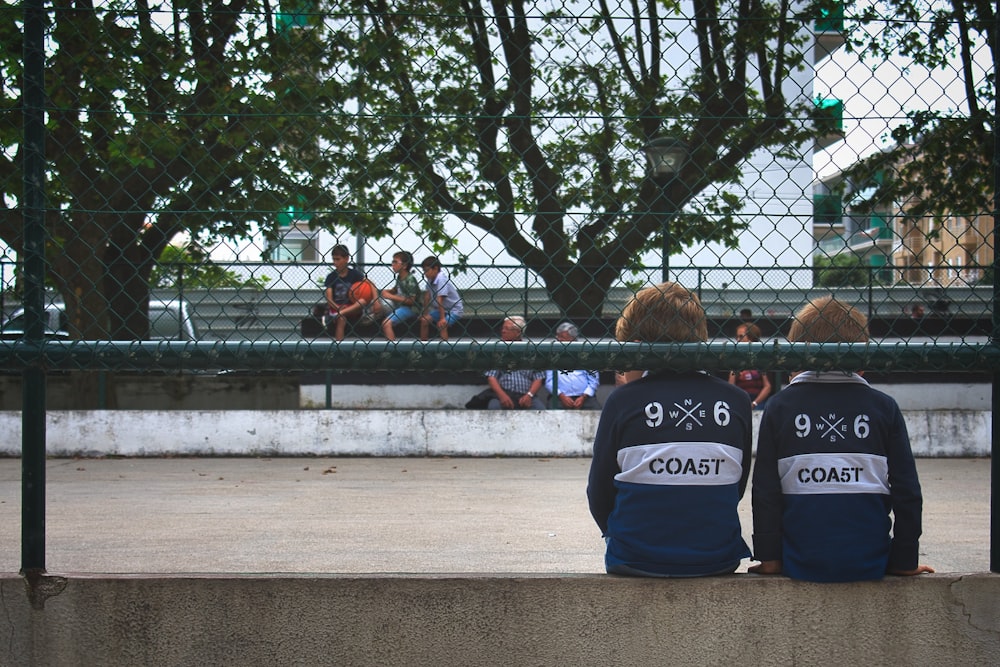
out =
column 274, row 311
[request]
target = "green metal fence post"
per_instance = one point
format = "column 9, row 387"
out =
column 525, row 294
column 995, row 338
column 554, row 396
column 329, row 389
column 33, row 387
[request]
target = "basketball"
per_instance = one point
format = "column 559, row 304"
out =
column 362, row 291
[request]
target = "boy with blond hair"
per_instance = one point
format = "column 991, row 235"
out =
column 833, row 462
column 671, row 454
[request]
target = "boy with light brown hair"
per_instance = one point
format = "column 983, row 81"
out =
column 833, row 463
column 671, row 454
column 665, row 313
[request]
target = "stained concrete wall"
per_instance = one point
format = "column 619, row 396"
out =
column 934, row 433
column 955, row 396
column 499, row 620
column 360, row 391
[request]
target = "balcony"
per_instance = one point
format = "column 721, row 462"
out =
column 828, row 31
column 868, row 239
column 297, row 212
column 829, row 118
column 875, row 241
column 831, row 245
column 828, row 209
column 968, row 234
column 297, row 13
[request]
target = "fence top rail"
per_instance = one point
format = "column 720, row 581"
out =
column 484, row 355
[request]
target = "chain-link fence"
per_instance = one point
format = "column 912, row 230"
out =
column 555, row 158
column 180, row 178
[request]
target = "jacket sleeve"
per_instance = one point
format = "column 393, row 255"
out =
column 766, row 495
column 601, row 489
column 746, row 446
column 906, row 498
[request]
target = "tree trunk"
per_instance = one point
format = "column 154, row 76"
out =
column 127, row 287
column 79, row 271
column 578, row 291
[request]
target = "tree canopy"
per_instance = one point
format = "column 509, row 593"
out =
column 193, row 267
column 843, row 270
column 941, row 162
column 161, row 119
column 523, row 120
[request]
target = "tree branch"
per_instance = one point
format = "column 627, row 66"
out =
column 619, row 49
column 516, row 42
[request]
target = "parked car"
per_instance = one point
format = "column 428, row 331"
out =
column 168, row 320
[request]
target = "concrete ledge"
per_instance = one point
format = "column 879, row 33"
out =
column 490, row 620
column 933, row 433
column 951, row 396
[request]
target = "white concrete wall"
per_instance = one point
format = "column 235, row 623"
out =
column 938, row 433
column 963, row 396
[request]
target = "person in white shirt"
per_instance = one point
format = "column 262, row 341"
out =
column 574, row 390
column 442, row 304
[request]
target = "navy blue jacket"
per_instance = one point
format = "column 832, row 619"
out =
column 671, row 462
column 833, row 460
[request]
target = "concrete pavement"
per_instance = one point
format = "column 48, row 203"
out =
column 377, row 515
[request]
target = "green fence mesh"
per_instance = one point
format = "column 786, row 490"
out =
column 202, row 187
column 204, row 161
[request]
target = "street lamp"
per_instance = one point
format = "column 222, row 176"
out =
column 664, row 156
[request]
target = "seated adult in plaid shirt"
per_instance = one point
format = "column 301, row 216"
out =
column 515, row 390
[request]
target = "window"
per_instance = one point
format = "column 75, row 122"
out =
column 295, row 246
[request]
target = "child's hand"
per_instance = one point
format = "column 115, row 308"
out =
column 766, row 567
column 920, row 569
